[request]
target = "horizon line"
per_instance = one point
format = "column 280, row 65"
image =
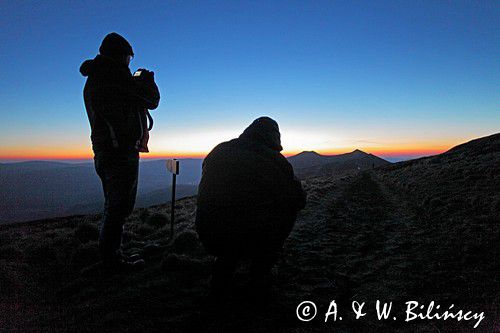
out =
column 406, row 153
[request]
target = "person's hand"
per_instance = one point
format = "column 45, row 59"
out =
column 147, row 75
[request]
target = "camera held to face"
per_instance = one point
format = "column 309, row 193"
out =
column 144, row 74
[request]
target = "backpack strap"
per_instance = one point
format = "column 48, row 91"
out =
column 150, row 120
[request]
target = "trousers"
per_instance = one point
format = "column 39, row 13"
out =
column 119, row 173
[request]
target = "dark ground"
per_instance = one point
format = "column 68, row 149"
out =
column 426, row 231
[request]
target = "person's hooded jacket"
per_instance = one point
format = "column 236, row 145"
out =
column 248, row 195
column 114, row 102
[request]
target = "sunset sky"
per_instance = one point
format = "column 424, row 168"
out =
column 397, row 79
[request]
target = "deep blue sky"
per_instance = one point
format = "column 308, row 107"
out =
column 393, row 76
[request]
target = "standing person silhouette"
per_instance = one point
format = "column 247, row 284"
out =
column 115, row 102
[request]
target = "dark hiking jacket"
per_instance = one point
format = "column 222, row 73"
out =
column 248, row 194
column 115, row 104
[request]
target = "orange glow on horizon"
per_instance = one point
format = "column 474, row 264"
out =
column 199, row 145
column 82, row 155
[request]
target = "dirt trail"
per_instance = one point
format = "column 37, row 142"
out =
column 358, row 230
column 352, row 242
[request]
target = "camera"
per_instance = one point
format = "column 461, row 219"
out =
column 144, row 75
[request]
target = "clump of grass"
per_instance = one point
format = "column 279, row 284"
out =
column 144, row 215
column 87, row 231
column 127, row 236
column 41, row 252
column 186, row 242
column 10, row 252
column 144, row 229
column 495, row 205
column 157, row 220
column 11, row 277
column 189, row 266
column 85, row 254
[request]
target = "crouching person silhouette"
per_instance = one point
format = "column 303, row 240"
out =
column 248, row 200
column 115, row 102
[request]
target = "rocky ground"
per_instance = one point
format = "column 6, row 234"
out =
column 420, row 231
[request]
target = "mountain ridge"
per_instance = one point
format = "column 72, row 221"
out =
column 310, row 163
column 43, row 189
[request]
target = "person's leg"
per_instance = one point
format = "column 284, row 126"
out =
column 223, row 270
column 261, row 278
column 222, row 277
column 263, row 260
column 271, row 243
column 119, row 175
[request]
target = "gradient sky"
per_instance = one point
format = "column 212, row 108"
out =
column 398, row 78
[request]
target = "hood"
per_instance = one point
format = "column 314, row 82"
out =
column 100, row 64
column 265, row 131
column 115, row 45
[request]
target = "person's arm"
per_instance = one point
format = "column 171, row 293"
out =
column 297, row 195
column 144, row 91
column 109, row 93
column 300, row 194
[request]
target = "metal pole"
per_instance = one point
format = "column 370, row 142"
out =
column 172, row 208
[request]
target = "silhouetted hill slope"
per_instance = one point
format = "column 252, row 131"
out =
column 31, row 166
column 307, row 159
column 43, row 192
column 39, row 189
column 152, row 198
column 366, row 237
column 463, row 180
column 311, row 164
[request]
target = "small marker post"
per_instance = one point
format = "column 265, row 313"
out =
column 173, row 167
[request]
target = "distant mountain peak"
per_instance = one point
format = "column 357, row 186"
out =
column 312, row 153
column 308, row 152
column 357, row 151
column 309, row 163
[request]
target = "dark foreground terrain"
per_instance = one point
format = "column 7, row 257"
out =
column 425, row 230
